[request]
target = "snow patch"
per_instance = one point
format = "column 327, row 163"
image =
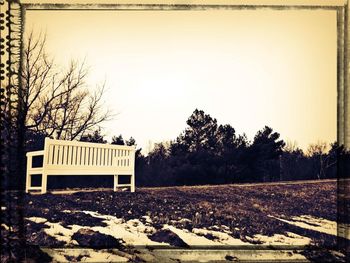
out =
column 278, row 239
column 57, row 231
column 220, row 237
column 133, row 232
column 313, row 223
column 84, row 255
column 184, row 220
column 37, row 219
column 6, row 227
column 190, row 238
column 222, row 228
column 344, row 230
column 147, row 219
column 61, row 233
column 221, row 255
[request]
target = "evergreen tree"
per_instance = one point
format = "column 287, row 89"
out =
column 131, row 142
column 118, row 140
column 96, row 136
column 201, row 132
column 265, row 153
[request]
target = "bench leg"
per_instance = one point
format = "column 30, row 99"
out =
column 132, row 183
column 115, row 182
column 44, row 183
column 28, row 182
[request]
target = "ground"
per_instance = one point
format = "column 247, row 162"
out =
column 291, row 222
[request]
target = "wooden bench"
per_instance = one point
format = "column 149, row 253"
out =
column 82, row 158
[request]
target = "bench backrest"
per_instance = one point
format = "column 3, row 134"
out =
column 75, row 154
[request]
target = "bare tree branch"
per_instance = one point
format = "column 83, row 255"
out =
column 58, row 102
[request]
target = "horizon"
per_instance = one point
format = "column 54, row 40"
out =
column 244, row 68
column 151, row 144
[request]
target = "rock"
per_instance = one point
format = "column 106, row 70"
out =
column 35, row 254
column 169, row 237
column 89, row 238
column 42, row 239
column 231, row 258
column 79, row 218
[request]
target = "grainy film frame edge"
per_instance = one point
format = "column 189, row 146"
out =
column 12, row 17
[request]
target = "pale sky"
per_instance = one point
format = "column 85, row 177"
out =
column 247, row 68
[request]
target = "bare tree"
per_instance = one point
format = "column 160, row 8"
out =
column 318, row 148
column 56, row 102
column 318, row 152
column 291, row 147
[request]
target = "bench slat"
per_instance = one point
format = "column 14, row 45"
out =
column 60, row 154
column 56, row 154
column 78, row 162
column 90, row 156
column 64, row 154
column 74, row 155
column 69, row 155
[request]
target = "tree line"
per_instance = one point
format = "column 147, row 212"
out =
column 209, row 153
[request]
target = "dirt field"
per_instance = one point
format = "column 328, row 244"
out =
column 291, row 222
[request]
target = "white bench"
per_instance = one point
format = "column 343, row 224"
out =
column 82, row 158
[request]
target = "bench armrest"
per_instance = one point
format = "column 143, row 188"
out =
column 35, row 153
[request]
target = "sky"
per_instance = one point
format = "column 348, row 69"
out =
column 247, row 68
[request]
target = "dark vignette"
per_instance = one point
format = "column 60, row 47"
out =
column 13, row 151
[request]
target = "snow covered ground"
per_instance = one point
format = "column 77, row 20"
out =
column 134, row 233
column 287, row 222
